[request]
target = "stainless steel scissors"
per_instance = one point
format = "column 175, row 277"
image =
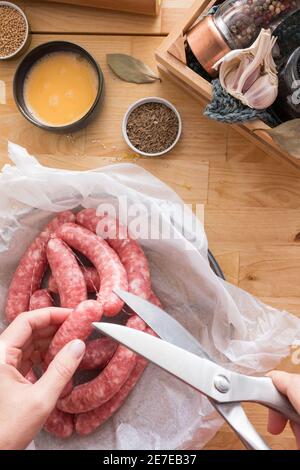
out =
column 180, row 354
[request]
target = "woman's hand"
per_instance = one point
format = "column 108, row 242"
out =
column 289, row 385
column 24, row 407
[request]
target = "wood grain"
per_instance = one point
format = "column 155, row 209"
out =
column 251, row 201
column 271, row 272
column 257, row 185
column 146, row 7
column 50, row 18
column 230, row 264
column 253, row 228
column 243, row 151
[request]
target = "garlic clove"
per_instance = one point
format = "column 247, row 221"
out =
column 229, row 57
column 251, row 79
column 262, row 93
column 250, row 74
column 229, row 79
column 261, row 53
column 245, row 61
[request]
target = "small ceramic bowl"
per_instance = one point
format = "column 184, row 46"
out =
column 135, row 105
column 27, row 39
column 35, row 55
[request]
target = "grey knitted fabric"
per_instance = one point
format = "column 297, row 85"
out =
column 226, row 108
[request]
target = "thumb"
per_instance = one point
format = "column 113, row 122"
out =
column 60, row 372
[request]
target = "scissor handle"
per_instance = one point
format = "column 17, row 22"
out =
column 237, row 419
column 267, row 394
column 243, row 388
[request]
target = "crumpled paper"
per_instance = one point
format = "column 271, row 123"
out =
column 234, row 327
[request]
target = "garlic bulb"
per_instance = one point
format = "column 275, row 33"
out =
column 250, row 74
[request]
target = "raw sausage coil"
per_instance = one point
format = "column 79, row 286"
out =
column 67, row 273
column 111, row 271
column 78, row 325
column 118, row 262
column 98, row 353
column 128, row 250
column 86, row 423
column 58, row 423
column 29, row 273
column 91, row 278
column 40, row 299
column 90, row 395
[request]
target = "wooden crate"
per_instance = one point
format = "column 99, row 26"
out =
column 194, row 84
column 145, row 7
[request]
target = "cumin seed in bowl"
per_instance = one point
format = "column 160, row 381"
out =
column 152, row 127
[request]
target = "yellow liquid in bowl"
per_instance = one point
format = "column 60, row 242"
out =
column 60, row 88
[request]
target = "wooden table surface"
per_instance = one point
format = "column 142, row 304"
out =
column 252, row 202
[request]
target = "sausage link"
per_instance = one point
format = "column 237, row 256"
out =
column 78, row 325
column 40, row 299
column 88, row 396
column 128, row 250
column 58, row 423
column 111, row 271
column 67, row 273
column 29, row 273
column 98, row 353
column 91, row 278
column 86, row 423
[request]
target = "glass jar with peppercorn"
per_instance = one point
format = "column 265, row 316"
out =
column 236, row 25
column 240, row 21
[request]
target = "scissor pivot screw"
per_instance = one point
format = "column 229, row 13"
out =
column 222, row 384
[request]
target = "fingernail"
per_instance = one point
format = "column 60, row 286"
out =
column 77, row 348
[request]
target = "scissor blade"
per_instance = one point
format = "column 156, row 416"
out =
column 193, row 370
column 162, row 323
column 170, row 330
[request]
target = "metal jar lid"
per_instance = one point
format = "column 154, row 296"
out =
column 207, row 44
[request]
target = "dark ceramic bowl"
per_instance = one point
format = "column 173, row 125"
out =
column 30, row 59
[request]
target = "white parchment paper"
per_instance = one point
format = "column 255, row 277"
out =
column 233, row 326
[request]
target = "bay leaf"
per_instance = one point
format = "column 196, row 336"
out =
column 130, row 69
column 287, row 135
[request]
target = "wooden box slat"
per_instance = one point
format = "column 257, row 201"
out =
column 145, row 7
